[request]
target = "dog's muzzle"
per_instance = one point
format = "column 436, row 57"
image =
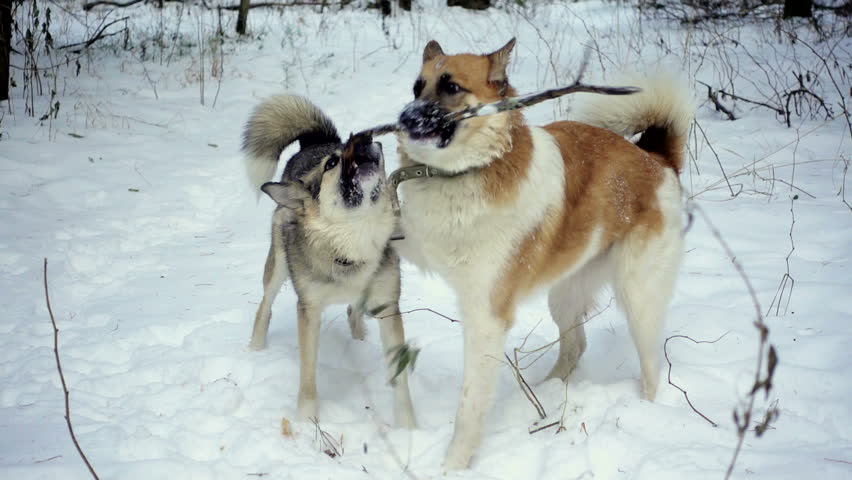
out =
column 361, row 156
column 424, row 120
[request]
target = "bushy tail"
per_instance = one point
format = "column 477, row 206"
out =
column 663, row 110
column 276, row 123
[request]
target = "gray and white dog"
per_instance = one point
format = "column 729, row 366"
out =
column 330, row 232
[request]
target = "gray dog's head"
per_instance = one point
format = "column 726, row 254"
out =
column 331, row 180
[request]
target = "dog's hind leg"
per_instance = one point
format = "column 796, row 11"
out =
column 383, row 301
column 569, row 301
column 274, row 275
column 645, row 273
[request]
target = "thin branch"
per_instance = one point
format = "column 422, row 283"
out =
column 283, row 5
column 719, row 161
column 419, row 310
column 62, row 377
column 666, row 353
column 525, row 387
column 544, row 427
column 719, row 107
column 97, row 3
column 778, row 110
column 99, row 34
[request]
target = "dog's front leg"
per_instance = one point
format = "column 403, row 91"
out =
column 309, row 323
column 383, row 301
column 393, row 336
column 484, row 341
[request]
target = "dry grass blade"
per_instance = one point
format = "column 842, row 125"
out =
column 328, row 444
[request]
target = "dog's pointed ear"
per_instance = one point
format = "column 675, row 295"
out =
column 499, row 61
column 432, row 50
column 291, row 195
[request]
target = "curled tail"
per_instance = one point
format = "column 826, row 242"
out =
column 663, row 111
column 276, row 123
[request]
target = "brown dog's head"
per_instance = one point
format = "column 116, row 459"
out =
column 451, row 83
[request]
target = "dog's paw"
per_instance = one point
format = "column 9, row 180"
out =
column 308, row 408
column 257, row 344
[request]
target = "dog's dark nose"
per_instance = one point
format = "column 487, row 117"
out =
column 421, row 118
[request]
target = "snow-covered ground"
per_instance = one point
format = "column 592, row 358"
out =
column 136, row 195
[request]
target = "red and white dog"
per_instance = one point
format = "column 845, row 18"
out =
column 568, row 206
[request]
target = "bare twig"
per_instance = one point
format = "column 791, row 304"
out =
column 97, row 3
column 284, row 5
column 547, row 346
column 544, row 427
column 525, row 387
column 685, row 395
column 842, row 192
column 725, row 175
column 328, row 444
column 419, row 310
column 718, row 104
column 98, row 35
column 778, row 110
column 62, row 377
column 787, row 278
column 48, row 459
column 825, row 61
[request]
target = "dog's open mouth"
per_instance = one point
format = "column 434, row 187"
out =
column 427, row 121
column 362, row 163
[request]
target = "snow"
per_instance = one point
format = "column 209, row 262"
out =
column 156, row 247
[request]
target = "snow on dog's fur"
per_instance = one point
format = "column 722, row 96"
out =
column 568, row 206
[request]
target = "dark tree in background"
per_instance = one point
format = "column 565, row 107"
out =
column 798, row 8
column 242, row 17
column 471, row 4
column 5, row 46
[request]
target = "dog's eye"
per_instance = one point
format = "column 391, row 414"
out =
column 332, row 162
column 447, row 86
column 418, row 87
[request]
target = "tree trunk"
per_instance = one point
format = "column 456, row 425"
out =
column 242, row 17
column 5, row 46
column 470, row 4
column 405, row 5
column 798, row 8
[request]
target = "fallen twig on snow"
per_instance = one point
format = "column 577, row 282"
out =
column 62, row 377
column 685, row 395
column 544, row 427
